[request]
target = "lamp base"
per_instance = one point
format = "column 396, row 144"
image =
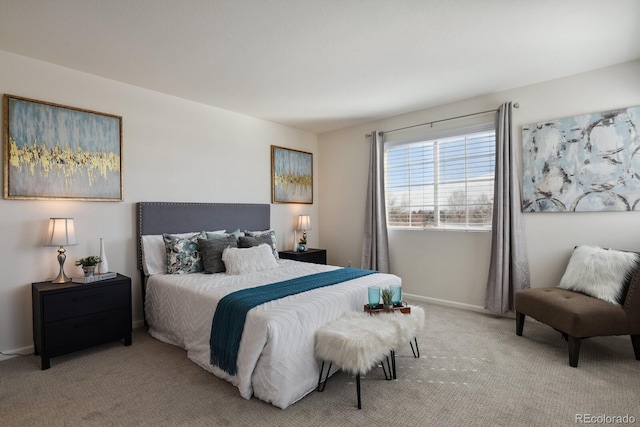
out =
column 61, row 278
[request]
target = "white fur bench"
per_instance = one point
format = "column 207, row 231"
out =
column 358, row 341
column 407, row 326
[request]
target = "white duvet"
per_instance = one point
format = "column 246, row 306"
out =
column 275, row 360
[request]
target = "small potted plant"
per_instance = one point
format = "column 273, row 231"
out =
column 302, row 244
column 88, row 264
column 387, row 296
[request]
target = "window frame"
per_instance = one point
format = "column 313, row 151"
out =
column 433, row 138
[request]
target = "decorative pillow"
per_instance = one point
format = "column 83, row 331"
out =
column 183, row 255
column 211, row 252
column 600, row 273
column 215, row 234
column 154, row 253
column 221, row 234
column 249, row 242
column 248, row 260
column 271, row 234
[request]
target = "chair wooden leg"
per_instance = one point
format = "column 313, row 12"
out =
column 519, row 323
column 574, row 351
column 635, row 341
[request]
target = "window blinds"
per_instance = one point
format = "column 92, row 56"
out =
column 444, row 180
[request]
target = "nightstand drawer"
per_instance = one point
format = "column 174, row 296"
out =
column 316, row 256
column 65, row 305
column 86, row 329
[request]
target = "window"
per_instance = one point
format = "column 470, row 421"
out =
column 442, row 181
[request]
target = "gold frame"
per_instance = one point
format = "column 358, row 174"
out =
column 58, row 179
column 293, row 161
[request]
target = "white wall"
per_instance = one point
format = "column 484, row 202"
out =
column 177, row 150
column 453, row 266
column 173, row 150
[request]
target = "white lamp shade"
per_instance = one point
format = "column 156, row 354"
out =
column 61, row 232
column 304, row 222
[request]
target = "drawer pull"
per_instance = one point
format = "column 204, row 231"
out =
column 88, row 297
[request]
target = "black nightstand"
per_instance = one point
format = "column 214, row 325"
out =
column 316, row 256
column 72, row 316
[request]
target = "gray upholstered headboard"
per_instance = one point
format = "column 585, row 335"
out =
column 170, row 217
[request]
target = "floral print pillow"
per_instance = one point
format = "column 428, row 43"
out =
column 183, row 254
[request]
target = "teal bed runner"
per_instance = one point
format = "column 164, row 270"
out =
column 231, row 313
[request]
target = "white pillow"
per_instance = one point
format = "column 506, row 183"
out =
column 597, row 272
column 154, row 252
column 248, row 260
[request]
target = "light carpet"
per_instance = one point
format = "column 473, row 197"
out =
column 473, row 371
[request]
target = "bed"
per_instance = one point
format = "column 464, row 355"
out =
column 275, row 360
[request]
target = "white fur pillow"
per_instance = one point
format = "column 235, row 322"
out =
column 248, row 260
column 597, row 272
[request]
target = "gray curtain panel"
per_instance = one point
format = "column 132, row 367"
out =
column 375, row 247
column 509, row 268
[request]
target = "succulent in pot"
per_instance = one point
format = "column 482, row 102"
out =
column 387, row 296
column 89, row 264
column 302, row 244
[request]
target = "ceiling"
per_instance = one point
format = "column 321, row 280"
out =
column 321, row 65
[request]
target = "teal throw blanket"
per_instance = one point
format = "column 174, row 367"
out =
column 231, row 313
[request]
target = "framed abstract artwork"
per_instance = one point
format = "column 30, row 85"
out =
column 53, row 151
column 589, row 162
column 291, row 176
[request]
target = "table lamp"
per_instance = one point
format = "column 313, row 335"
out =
column 61, row 233
column 304, row 224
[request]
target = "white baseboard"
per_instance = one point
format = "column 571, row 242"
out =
column 476, row 308
column 28, row 350
column 22, row 351
column 454, row 304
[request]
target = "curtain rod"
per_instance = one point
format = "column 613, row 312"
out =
column 516, row 105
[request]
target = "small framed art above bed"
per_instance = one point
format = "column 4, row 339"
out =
column 251, row 319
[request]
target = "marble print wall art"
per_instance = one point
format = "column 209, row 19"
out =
column 589, row 162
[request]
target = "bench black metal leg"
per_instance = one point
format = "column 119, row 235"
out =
column 635, row 342
column 393, row 363
column 320, row 382
column 391, row 366
column 416, row 352
column 387, row 376
column 358, row 389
